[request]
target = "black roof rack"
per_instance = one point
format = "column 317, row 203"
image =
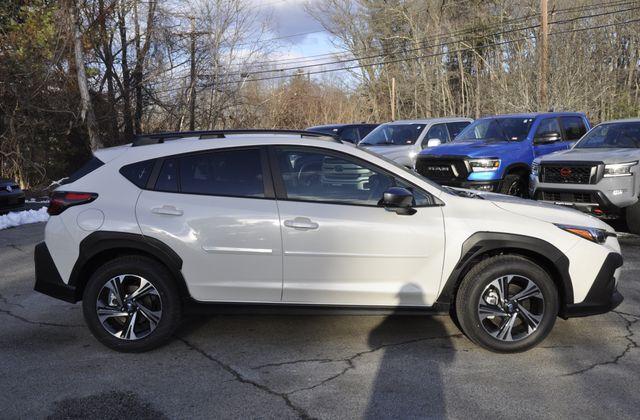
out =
column 155, row 138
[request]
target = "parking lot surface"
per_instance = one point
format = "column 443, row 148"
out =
column 307, row 366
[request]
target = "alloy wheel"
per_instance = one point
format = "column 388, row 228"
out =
column 129, row 307
column 511, row 308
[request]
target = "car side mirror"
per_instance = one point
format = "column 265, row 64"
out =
column 434, row 142
column 548, row 137
column 398, row 199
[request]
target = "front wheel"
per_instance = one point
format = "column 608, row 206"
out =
column 132, row 304
column 507, row 304
column 633, row 218
column 514, row 184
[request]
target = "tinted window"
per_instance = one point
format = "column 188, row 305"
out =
column 393, row 135
column 365, row 129
column 349, row 134
column 168, row 177
column 614, row 135
column 139, row 172
column 497, row 129
column 438, row 131
column 90, row 166
column 547, row 126
column 456, row 128
column 315, row 176
column 574, row 127
column 236, row 173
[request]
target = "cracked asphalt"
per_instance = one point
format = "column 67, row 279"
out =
column 307, row 366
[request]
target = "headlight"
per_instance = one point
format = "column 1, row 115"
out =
column 598, row 236
column 535, row 166
column 484, row 165
column 619, row 169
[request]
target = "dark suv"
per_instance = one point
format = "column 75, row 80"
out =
column 11, row 196
column 351, row 133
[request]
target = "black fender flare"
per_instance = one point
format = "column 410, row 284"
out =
column 480, row 243
column 518, row 166
column 122, row 243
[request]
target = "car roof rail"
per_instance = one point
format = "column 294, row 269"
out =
column 156, row 138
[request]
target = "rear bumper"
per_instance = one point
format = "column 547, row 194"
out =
column 48, row 280
column 603, row 295
column 9, row 202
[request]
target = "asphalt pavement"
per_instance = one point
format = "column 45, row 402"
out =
column 307, row 366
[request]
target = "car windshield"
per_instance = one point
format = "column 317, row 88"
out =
column 393, row 135
column 497, row 129
column 612, row 135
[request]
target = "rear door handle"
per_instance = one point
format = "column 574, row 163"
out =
column 301, row 223
column 167, row 210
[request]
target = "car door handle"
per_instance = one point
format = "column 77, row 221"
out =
column 301, row 223
column 167, row 210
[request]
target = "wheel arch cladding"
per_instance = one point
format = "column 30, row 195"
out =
column 485, row 244
column 101, row 247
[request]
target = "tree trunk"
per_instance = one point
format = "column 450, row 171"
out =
column 86, row 113
column 126, row 75
column 108, row 63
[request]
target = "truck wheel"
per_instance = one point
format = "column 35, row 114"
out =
column 514, row 184
column 132, row 304
column 633, row 218
column 507, row 304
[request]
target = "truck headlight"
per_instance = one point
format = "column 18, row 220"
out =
column 596, row 235
column 619, row 169
column 484, row 165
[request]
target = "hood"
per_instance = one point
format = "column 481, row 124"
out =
column 391, row 152
column 605, row 155
column 545, row 212
column 474, row 148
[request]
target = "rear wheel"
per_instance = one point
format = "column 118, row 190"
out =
column 507, row 304
column 514, row 184
column 131, row 304
column 633, row 218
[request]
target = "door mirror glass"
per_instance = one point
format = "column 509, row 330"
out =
column 434, row 142
column 548, row 137
column 398, row 199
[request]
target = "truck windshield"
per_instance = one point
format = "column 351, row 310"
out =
column 393, row 135
column 497, row 129
column 612, row 135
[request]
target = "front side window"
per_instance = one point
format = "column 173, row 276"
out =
column 548, row 126
column 438, row 131
column 497, row 129
column 235, row 173
column 393, row 135
column 574, row 127
column 339, row 179
column 612, row 135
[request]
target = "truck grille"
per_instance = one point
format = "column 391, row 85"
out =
column 567, row 197
column 442, row 169
column 568, row 174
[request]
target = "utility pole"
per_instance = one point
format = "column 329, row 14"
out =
column 544, row 54
column 192, row 99
column 393, row 99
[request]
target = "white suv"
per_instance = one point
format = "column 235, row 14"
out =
column 243, row 220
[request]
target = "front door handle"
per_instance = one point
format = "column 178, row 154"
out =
column 301, row 223
column 167, row 210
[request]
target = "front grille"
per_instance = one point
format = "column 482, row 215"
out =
column 567, row 197
column 442, row 169
column 568, row 174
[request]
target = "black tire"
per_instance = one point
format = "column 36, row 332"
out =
column 477, row 282
column 167, row 291
column 514, row 184
column 633, row 218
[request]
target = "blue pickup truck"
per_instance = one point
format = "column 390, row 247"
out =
column 495, row 153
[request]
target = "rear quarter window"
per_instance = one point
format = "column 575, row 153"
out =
column 138, row 173
column 91, row 165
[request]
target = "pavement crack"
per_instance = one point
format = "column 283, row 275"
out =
column 626, row 314
column 242, row 379
column 6, row 302
column 40, row 323
column 631, row 344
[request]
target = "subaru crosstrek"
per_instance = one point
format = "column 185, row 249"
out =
column 495, row 153
column 599, row 175
column 230, row 220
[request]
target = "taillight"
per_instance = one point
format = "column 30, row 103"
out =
column 62, row 200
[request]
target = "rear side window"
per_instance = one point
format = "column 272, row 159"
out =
column 234, row 173
column 349, row 134
column 574, row 127
column 84, row 170
column 366, row 129
column 168, row 177
column 456, row 128
column 138, row 172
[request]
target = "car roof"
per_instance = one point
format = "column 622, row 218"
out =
column 432, row 120
column 622, row 120
column 332, row 126
column 536, row 115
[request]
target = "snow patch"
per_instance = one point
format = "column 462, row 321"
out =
column 23, row 217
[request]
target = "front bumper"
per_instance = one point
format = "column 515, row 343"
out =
column 48, row 280
column 603, row 295
column 488, row 186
